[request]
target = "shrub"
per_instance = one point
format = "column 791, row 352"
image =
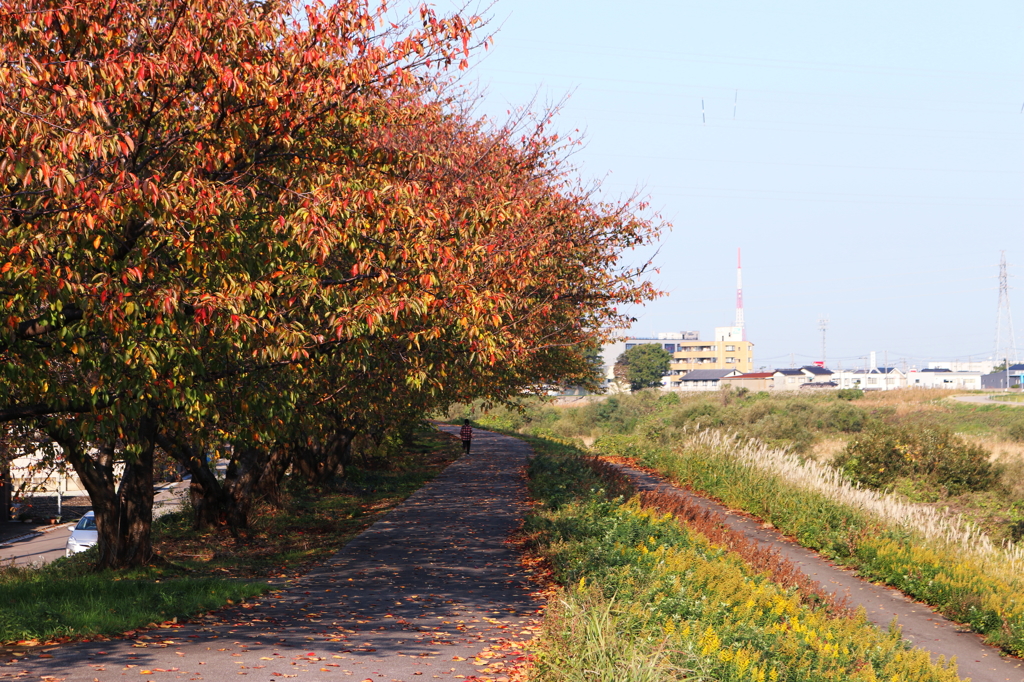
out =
column 886, row 452
column 849, row 393
column 843, row 417
column 781, row 428
column 703, row 413
column 1016, row 431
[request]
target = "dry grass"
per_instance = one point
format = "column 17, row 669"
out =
column 931, row 523
column 908, row 400
column 827, row 449
column 1003, row 451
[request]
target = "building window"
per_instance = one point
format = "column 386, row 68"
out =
column 730, row 348
column 629, row 345
column 872, row 380
column 730, row 360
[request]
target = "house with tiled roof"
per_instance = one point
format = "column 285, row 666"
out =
column 704, row 379
column 752, row 381
column 793, row 378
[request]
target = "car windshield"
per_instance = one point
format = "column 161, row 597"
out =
column 87, row 523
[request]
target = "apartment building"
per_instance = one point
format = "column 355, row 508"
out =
column 729, row 350
column 670, row 341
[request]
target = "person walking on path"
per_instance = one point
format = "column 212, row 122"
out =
column 466, row 433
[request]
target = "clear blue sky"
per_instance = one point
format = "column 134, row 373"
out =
column 872, row 173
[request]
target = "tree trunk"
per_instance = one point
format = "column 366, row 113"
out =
column 268, row 486
column 243, row 473
column 215, row 503
column 206, row 494
column 319, row 462
column 124, row 514
column 135, row 494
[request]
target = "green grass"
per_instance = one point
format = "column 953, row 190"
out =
column 1009, row 397
column 980, row 590
column 207, row 570
column 67, row 599
column 647, row 598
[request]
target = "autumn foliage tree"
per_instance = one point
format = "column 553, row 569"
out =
column 232, row 222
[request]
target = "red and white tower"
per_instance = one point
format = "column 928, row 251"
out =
column 739, row 295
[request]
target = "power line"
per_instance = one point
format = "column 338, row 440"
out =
column 1006, row 343
column 823, row 326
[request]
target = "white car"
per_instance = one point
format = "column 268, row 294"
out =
column 83, row 535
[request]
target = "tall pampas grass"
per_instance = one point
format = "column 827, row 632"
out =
column 932, row 524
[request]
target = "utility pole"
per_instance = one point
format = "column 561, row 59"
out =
column 823, row 326
column 1006, row 343
column 739, row 296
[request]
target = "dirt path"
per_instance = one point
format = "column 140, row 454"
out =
column 414, row 597
column 922, row 626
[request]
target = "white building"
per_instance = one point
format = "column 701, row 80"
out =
column 942, row 378
column 877, row 379
column 983, row 366
column 704, row 379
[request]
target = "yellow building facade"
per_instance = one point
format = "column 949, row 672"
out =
column 729, row 350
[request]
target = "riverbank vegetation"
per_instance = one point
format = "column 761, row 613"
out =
column 656, row 591
column 911, row 496
column 960, row 458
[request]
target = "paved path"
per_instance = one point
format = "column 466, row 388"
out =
column 414, row 597
column 986, row 399
column 922, row 626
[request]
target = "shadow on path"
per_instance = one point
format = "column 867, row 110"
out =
column 413, row 597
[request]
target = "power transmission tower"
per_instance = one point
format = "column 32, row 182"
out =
column 823, row 326
column 1006, row 343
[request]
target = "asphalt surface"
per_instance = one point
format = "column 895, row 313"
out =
column 985, row 399
column 414, row 597
column 922, row 626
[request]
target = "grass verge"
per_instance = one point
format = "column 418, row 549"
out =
column 68, row 599
column 648, row 598
column 942, row 562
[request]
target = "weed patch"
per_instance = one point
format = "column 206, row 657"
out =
column 938, row 559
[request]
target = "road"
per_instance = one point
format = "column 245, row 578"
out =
column 37, row 548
